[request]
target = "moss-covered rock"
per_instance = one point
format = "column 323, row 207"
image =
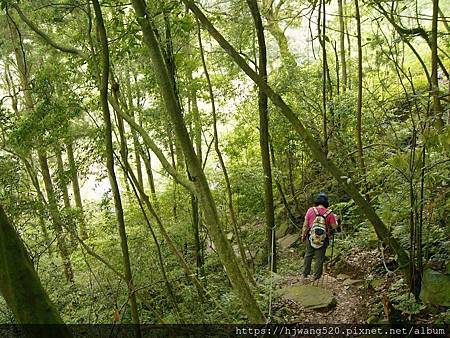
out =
column 435, row 288
column 308, row 296
column 282, row 230
column 349, row 282
column 372, row 320
column 376, row 282
column 288, row 241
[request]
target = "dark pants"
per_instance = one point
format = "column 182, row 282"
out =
column 320, row 257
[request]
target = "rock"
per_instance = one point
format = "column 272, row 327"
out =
column 342, row 276
column 288, row 241
column 435, row 288
column 308, row 296
column 276, row 278
column 236, row 250
column 375, row 283
column 230, row 236
column 352, row 281
column 372, row 320
column 281, row 230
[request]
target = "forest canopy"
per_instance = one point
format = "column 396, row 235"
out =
column 157, row 159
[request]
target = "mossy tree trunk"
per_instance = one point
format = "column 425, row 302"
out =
column 226, row 254
column 271, row 252
column 20, row 285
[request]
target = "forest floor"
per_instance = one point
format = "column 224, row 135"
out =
column 349, row 283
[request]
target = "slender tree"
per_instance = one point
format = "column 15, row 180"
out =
column 229, row 191
column 343, row 62
column 362, row 165
column 197, row 138
column 271, row 251
column 437, row 109
column 103, row 87
column 62, row 183
column 76, row 188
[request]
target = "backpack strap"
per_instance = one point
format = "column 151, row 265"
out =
column 316, row 211
column 326, row 214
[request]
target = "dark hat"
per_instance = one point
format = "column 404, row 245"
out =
column 322, row 199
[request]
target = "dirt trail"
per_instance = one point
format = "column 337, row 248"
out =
column 348, row 284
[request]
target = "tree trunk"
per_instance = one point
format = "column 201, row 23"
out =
column 54, row 214
column 271, row 252
column 29, row 105
column 280, row 188
column 316, row 152
column 342, row 45
column 362, row 165
column 146, row 157
column 271, row 15
column 228, row 189
column 291, row 163
column 437, row 109
column 150, row 207
column 223, row 246
column 174, row 165
column 137, row 161
column 21, row 288
column 444, row 20
column 61, row 178
column 129, row 175
column 128, row 102
column 197, row 136
column 11, row 89
column 321, row 34
column 110, row 160
column 137, row 157
column 349, row 51
column 76, row 188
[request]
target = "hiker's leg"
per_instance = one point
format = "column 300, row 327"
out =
column 320, row 257
column 308, row 259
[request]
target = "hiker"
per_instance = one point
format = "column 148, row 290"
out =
column 319, row 224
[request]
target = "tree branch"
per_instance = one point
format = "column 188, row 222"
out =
column 45, row 36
